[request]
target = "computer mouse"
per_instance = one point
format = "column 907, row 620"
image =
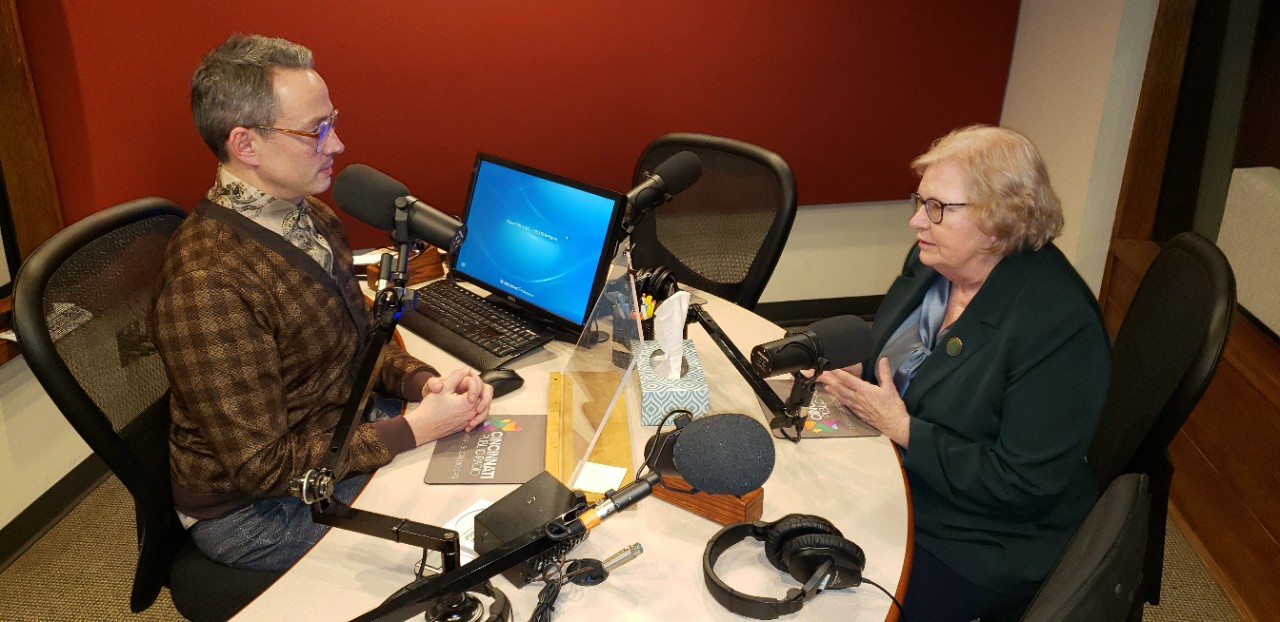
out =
column 502, row 380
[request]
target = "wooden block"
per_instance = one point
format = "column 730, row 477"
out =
column 722, row 509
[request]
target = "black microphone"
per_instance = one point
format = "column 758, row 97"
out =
column 724, row 454
column 668, row 179
column 827, row 344
column 373, row 197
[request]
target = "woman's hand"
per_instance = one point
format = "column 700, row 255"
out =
column 878, row 405
column 451, row 404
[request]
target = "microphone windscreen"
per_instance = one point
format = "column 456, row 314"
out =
column 679, row 171
column 369, row 195
column 845, row 339
column 725, row 454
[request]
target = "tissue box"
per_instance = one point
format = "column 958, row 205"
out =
column 659, row 396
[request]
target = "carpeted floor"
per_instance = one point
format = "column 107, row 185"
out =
column 83, row 569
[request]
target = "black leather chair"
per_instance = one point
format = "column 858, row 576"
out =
column 1099, row 575
column 723, row 234
column 1163, row 357
column 81, row 306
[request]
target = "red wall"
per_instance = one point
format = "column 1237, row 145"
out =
column 847, row 91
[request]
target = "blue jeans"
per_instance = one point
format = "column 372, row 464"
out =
column 270, row 534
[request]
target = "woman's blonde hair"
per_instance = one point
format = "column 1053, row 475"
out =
column 1008, row 185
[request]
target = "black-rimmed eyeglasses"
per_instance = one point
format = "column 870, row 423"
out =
column 932, row 207
column 321, row 133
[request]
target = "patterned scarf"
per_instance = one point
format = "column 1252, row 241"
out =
column 292, row 222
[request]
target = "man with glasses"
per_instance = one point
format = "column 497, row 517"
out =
column 260, row 320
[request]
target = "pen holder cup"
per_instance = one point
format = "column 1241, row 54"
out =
column 646, row 327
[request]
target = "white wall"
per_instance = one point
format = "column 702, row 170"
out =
column 838, row 251
column 1073, row 89
column 37, row 445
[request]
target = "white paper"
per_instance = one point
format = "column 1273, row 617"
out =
column 599, row 478
column 668, row 331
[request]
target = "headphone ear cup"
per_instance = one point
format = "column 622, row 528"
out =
column 804, row 554
column 666, row 285
column 658, row 282
column 642, row 281
column 789, row 527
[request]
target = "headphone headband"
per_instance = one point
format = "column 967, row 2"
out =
column 808, row 547
column 741, row 603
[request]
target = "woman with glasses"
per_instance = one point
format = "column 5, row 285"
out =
column 990, row 378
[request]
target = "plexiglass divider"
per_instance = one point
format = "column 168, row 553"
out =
column 588, row 418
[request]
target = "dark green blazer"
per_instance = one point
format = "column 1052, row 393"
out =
column 1003, row 412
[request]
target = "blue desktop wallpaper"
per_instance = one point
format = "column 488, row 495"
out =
column 535, row 239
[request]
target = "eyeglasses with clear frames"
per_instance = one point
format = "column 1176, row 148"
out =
column 321, row 133
column 932, row 207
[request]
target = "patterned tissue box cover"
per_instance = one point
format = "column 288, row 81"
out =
column 659, row 396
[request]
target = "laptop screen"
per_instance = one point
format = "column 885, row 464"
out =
column 537, row 239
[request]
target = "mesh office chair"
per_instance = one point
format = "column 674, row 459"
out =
column 81, row 307
column 1100, row 573
column 1163, row 357
column 724, row 234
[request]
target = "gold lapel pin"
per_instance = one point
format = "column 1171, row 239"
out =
column 954, row 345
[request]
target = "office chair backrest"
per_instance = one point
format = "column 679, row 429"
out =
column 1098, row 576
column 1164, row 354
column 81, row 303
column 723, row 234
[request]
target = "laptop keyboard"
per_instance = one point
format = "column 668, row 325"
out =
column 478, row 332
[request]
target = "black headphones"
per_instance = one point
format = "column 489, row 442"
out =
column 658, row 282
column 808, row 547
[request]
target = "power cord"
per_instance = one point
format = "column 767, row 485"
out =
column 902, row 615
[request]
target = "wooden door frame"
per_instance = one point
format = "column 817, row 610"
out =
column 1152, row 126
column 24, row 155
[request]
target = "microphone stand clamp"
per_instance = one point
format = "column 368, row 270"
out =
column 796, row 410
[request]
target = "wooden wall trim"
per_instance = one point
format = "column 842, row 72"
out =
column 1157, row 102
column 24, row 154
column 1225, row 495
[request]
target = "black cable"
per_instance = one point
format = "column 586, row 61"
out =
column 546, row 602
column 420, row 568
column 548, row 594
column 902, row 615
column 656, row 450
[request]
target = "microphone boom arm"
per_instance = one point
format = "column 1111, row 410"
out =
column 316, row 486
column 784, row 414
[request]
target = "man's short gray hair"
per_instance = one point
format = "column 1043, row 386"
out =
column 232, row 87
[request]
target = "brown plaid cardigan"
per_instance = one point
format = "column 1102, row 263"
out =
column 260, row 345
